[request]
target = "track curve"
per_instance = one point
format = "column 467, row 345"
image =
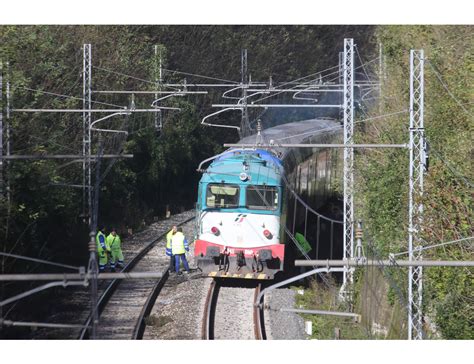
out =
column 230, row 313
column 124, row 306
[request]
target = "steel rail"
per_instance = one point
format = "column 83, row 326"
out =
column 208, row 320
column 140, row 326
column 258, row 318
column 111, row 288
column 207, row 328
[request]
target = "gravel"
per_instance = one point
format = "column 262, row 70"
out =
column 72, row 305
column 234, row 314
column 283, row 325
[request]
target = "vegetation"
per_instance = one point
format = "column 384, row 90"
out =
column 44, row 221
column 382, row 191
column 448, row 208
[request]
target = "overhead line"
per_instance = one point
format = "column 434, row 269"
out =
column 438, row 76
column 67, row 96
column 201, row 76
column 22, row 257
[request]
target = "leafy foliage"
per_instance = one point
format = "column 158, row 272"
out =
column 448, row 209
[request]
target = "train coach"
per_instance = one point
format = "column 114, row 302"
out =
column 243, row 201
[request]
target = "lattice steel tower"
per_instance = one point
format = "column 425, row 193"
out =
column 348, row 111
column 415, row 218
column 86, row 138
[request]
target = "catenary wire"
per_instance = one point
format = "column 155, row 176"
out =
column 436, row 245
column 200, row 76
column 340, row 126
column 38, row 260
column 68, row 96
column 438, row 76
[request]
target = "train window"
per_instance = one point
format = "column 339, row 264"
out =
column 262, row 197
column 222, row 196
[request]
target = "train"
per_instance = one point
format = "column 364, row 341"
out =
column 243, row 200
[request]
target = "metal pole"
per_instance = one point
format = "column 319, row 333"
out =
column 244, row 81
column 38, row 324
column 358, row 235
column 269, row 146
column 317, row 312
column 380, row 79
column 86, row 120
column 93, row 266
column 294, row 279
column 242, row 106
column 66, row 277
column 88, row 110
column 305, row 220
column 39, row 289
column 318, row 226
column 348, row 109
column 294, row 215
column 1, row 129
column 63, row 156
column 156, row 92
column 158, row 79
column 415, row 209
column 383, row 263
column 8, row 142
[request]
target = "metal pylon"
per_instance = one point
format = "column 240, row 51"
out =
column 348, row 111
column 1, row 129
column 415, row 214
column 244, row 127
column 86, row 138
column 158, row 81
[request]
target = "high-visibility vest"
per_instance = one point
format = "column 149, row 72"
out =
column 114, row 242
column 168, row 239
column 178, row 243
column 101, row 245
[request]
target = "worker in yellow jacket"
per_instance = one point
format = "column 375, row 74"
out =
column 102, row 249
column 169, row 253
column 179, row 247
column 115, row 247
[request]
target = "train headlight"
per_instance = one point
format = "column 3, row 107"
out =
column 243, row 176
column 215, row 231
column 267, row 234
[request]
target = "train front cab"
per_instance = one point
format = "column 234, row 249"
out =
column 239, row 230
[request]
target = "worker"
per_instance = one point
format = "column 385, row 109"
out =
column 179, row 247
column 102, row 249
column 169, row 253
column 115, row 245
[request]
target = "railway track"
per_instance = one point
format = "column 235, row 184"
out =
column 230, row 313
column 124, row 306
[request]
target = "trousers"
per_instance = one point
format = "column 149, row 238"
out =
column 177, row 257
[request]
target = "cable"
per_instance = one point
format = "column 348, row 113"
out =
column 124, row 74
column 341, row 126
column 435, row 245
column 201, row 76
column 68, row 96
column 452, row 169
column 302, row 78
column 438, row 76
column 360, row 60
column 356, row 68
column 317, row 79
column 38, row 261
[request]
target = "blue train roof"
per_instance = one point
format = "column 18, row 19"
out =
column 261, row 166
